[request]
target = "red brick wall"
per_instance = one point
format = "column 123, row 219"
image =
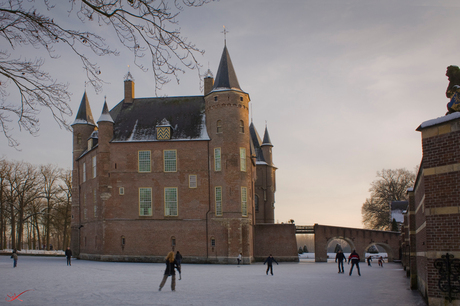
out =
column 276, row 239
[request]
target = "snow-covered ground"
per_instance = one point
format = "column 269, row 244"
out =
column 331, row 256
column 51, row 282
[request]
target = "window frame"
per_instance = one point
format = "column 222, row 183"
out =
column 84, row 172
column 144, row 201
column 167, row 202
column 217, row 159
column 242, row 159
column 94, row 165
column 244, row 201
column 218, row 202
column 219, row 129
column 169, row 160
column 190, row 181
column 142, row 163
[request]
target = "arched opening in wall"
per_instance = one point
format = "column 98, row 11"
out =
column 376, row 250
column 335, row 244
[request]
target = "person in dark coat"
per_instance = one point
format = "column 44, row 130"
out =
column 68, row 254
column 269, row 262
column 179, row 260
column 14, row 255
column 171, row 265
column 339, row 258
column 354, row 258
column 369, row 259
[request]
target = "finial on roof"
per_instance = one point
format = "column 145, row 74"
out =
column 128, row 76
column 225, row 35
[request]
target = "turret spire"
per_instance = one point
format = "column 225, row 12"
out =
column 226, row 76
column 84, row 115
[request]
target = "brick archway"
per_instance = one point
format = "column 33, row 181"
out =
column 358, row 239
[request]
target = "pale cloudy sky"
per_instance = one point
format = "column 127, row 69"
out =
column 341, row 84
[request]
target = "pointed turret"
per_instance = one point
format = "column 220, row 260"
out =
column 84, row 115
column 226, row 76
column 266, row 141
column 105, row 115
column 267, row 148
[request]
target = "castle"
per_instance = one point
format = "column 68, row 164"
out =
column 187, row 173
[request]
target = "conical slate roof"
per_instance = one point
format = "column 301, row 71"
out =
column 105, row 116
column 84, row 115
column 255, row 139
column 266, row 141
column 226, row 76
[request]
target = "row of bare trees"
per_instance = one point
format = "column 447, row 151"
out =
column 35, row 203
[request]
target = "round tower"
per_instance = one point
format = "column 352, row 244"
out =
column 82, row 128
column 231, row 171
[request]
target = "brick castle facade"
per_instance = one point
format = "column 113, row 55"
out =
column 176, row 173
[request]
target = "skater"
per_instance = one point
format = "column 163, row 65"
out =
column 68, row 254
column 339, row 258
column 171, row 265
column 179, row 260
column 14, row 255
column 269, row 262
column 239, row 258
column 369, row 259
column 354, row 258
column 381, row 261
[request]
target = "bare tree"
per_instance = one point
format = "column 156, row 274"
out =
column 49, row 183
column 144, row 27
column 391, row 185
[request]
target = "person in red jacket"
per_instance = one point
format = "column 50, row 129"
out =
column 354, row 258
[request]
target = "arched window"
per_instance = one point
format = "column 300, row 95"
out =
column 219, row 126
column 241, row 126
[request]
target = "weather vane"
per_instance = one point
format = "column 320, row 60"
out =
column 225, row 35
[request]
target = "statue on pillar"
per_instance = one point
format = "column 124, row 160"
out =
column 453, row 90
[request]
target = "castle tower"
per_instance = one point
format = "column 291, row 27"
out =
column 231, row 171
column 82, row 127
column 270, row 188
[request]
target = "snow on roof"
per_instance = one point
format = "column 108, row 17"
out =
column 439, row 120
column 105, row 117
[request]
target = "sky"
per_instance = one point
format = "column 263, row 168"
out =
column 341, row 85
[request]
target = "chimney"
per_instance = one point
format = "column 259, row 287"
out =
column 208, row 82
column 129, row 88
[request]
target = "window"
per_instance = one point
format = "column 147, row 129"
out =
column 84, row 172
column 215, row 98
column 244, row 201
column 85, row 213
column 78, row 138
column 218, row 199
column 95, row 211
column 213, row 242
column 192, row 181
column 171, row 201
column 243, row 159
column 173, row 241
column 145, row 201
column 94, row 166
column 170, row 160
column 94, row 196
column 219, row 126
column 217, row 159
column 241, row 126
column 121, row 190
column 256, row 203
column 144, row 161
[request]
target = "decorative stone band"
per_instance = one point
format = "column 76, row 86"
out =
column 441, row 169
column 435, row 254
column 449, row 210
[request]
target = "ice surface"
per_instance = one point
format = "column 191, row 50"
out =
column 105, row 283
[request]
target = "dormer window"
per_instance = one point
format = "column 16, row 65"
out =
column 164, row 130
